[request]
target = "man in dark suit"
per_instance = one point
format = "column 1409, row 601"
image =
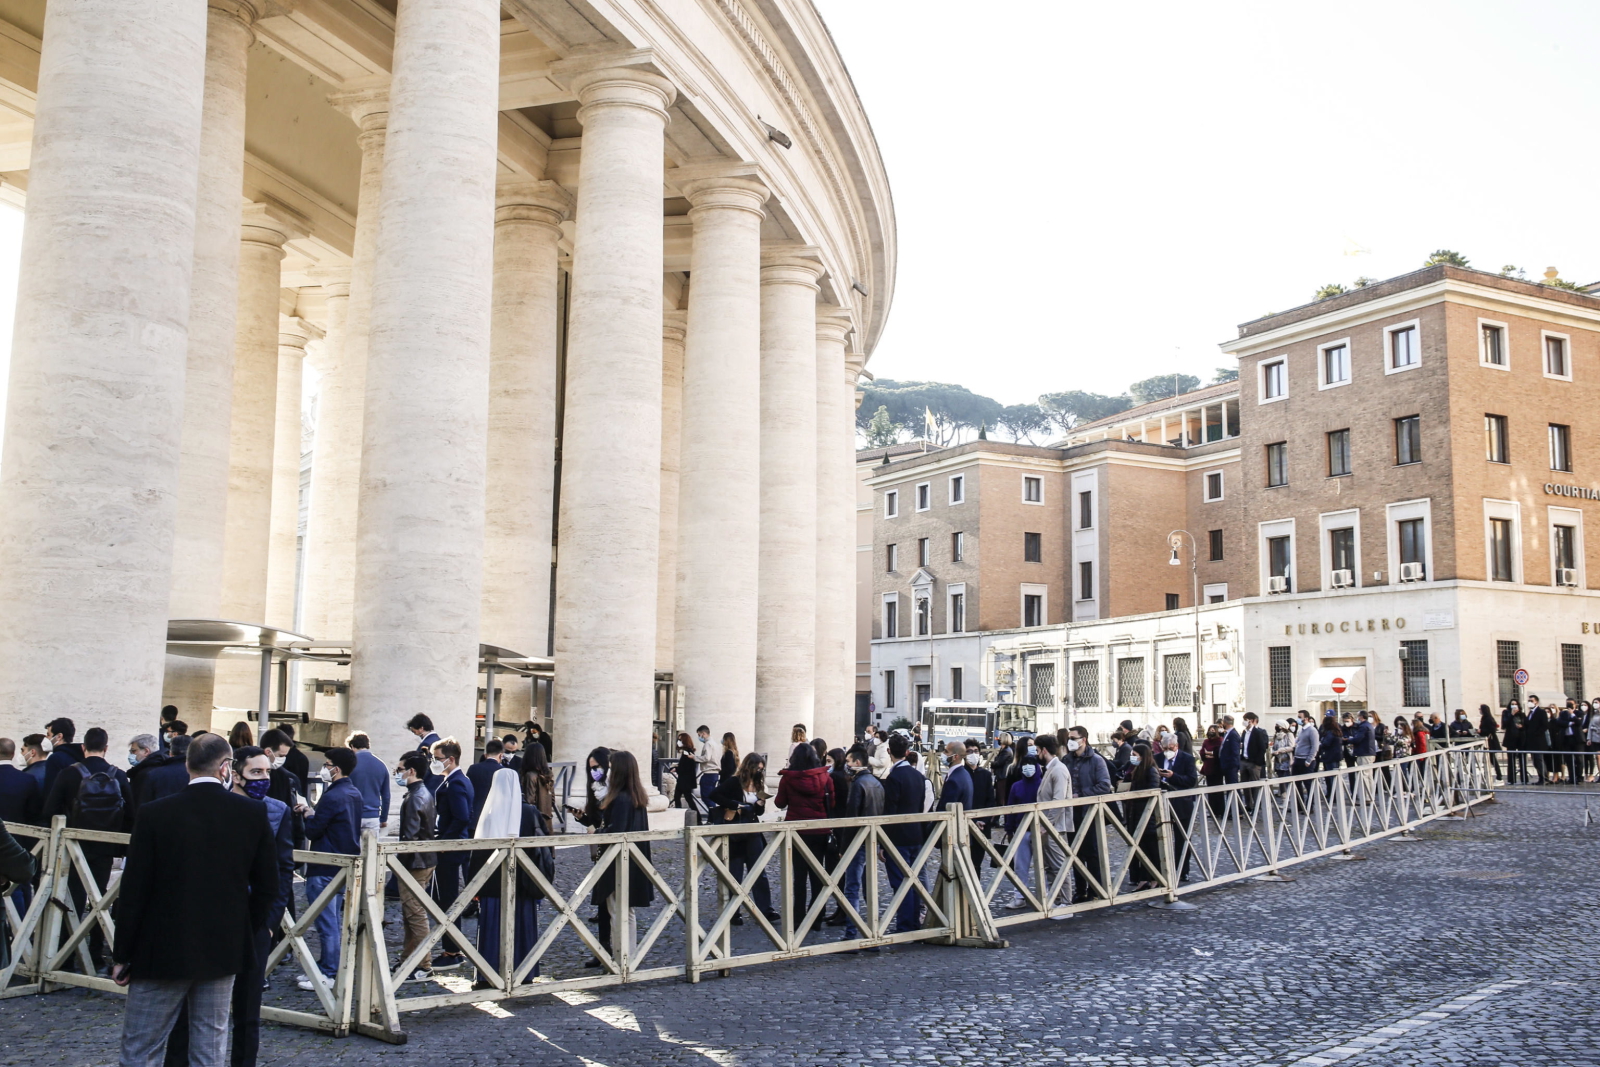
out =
column 481, row 775
column 510, row 753
column 63, row 753
column 93, row 795
column 20, row 798
column 144, row 756
column 454, row 801
column 1178, row 772
column 903, row 792
column 1231, row 756
column 422, row 727
column 36, row 760
column 295, row 761
column 169, row 779
column 1252, row 757
column 207, row 857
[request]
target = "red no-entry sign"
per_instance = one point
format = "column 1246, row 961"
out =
column 1521, row 677
column 1338, row 685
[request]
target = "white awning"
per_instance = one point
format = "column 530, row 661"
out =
column 1338, row 683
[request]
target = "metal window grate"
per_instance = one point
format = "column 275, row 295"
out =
column 1280, row 677
column 1508, row 657
column 1130, row 682
column 1414, row 675
column 1086, row 683
column 1572, row 670
column 1042, row 684
column 1175, row 672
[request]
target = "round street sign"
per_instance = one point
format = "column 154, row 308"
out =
column 1521, row 676
column 1338, row 685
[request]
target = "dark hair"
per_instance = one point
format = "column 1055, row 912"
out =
column 730, row 743
column 273, row 738
column 803, row 758
column 288, row 730
column 1252, row 716
column 416, row 763
column 685, row 741
column 178, row 727
column 95, row 739
column 911, row 759
column 240, row 735
column 858, row 753
column 750, row 769
column 625, row 767
column 358, row 740
column 493, row 747
column 206, row 751
column 419, row 721
column 342, row 758
column 837, row 755
column 820, row 747
column 1330, row 723
column 169, row 712
column 702, row 728
column 62, row 726
column 179, row 745
column 244, row 753
column 1046, row 742
column 33, row 741
column 1144, row 775
column 510, row 739
column 448, row 748
column 1180, row 725
column 899, row 745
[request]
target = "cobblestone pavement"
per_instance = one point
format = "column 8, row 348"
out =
column 1473, row 947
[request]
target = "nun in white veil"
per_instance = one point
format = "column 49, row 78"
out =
column 505, row 815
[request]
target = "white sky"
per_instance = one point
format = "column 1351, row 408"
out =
column 1089, row 194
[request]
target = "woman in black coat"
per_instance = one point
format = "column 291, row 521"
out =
column 1512, row 723
column 683, row 796
column 624, row 810
column 1536, row 739
column 1490, row 733
column 1143, row 774
column 738, row 798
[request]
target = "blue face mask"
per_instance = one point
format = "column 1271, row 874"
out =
column 256, row 788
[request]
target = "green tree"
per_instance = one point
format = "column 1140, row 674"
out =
column 1331, row 289
column 1445, row 255
column 1161, row 387
column 1076, row 407
column 1362, row 282
column 954, row 408
column 1226, row 374
column 1511, row 270
column 1022, row 422
column 881, row 430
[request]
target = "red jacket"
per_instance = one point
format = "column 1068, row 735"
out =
column 806, row 794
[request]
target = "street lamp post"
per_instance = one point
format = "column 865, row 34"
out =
column 1175, row 540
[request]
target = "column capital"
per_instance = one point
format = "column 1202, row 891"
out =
column 617, row 79
column 295, row 332
column 674, row 326
column 522, row 200
column 334, row 281
column 791, row 263
column 834, row 324
column 365, row 101
column 854, row 364
column 272, row 224
column 722, row 184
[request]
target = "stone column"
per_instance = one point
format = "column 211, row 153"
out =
column 719, row 517
column 672, row 332
column 836, row 528
column 282, row 553
column 94, row 408
column 519, row 513
column 250, row 452
column 330, row 548
column 786, row 631
column 208, row 380
column 419, row 549
column 611, row 431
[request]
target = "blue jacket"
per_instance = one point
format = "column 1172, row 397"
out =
column 1023, row 791
column 62, row 757
column 957, row 789
column 20, row 796
column 425, row 746
column 283, row 840
column 903, row 792
column 1229, row 758
column 481, row 775
column 336, row 825
column 372, row 779
column 1365, row 740
column 163, row 781
column 453, row 801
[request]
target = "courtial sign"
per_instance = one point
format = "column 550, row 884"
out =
column 1582, row 492
column 1359, row 626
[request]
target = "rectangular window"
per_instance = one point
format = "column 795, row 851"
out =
column 1214, row 486
column 1086, row 510
column 1280, row 677
column 1032, row 551
column 891, row 503
column 891, row 618
column 955, row 683
column 1175, row 674
column 891, row 558
column 1042, row 684
column 1408, row 439
column 958, row 547
column 1508, row 657
column 1278, row 561
column 1560, row 447
column 1216, row 545
column 958, row 489
column 1336, row 364
column 922, row 551
column 1414, row 674
column 1130, row 682
column 1033, row 490
column 1172, row 602
column 1403, row 348
column 1555, row 357
column 1033, row 610
column 1564, row 545
column 1500, row 569
column 1086, row 683
column 1338, row 453
column 958, row 613
column 924, row 617
column 1086, row 580
column 1274, row 380
column 1497, row 440
column 1277, row 464
column 1413, row 544
column 1342, row 549
column 1494, row 345
column 924, row 496
column 888, row 689
column 1572, row 671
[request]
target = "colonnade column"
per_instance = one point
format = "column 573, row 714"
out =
column 94, row 407
column 719, row 516
column 250, row 453
column 519, row 511
column 419, row 549
column 208, row 381
column 282, row 557
column 786, row 638
column 836, row 528
column 606, row 575
column 672, row 333
column 330, row 548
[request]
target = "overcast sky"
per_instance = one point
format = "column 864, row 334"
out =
column 1088, row 194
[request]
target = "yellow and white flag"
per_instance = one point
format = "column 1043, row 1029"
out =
column 930, row 423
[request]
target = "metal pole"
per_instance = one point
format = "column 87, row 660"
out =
column 488, row 702
column 265, row 694
column 1194, row 579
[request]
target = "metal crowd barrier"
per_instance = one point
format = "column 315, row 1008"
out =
column 964, row 878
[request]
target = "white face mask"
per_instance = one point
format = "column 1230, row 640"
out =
column 436, row 767
column 325, row 774
column 972, row 759
column 1028, row 769
column 1072, row 744
column 46, row 747
column 1134, row 759
column 133, row 759
column 278, row 761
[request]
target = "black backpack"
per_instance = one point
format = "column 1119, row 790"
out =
column 98, row 805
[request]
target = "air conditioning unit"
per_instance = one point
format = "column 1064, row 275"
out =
column 1566, row 576
column 1343, row 579
column 1278, row 583
column 1411, row 572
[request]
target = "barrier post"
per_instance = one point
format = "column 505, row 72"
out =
column 1169, row 865
column 691, row 904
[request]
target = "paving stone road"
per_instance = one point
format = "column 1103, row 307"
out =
column 1473, row 947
